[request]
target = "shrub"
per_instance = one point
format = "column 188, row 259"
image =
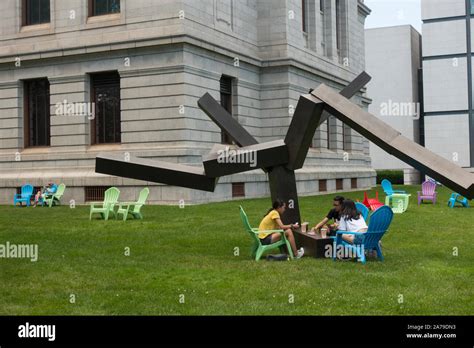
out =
column 394, row 176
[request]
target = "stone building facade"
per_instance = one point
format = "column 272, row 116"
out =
column 141, row 65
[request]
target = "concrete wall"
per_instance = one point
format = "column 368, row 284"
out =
column 393, row 59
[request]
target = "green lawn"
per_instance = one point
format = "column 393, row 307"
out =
column 190, row 252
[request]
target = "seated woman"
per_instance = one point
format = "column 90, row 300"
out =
column 351, row 221
column 272, row 221
column 38, row 198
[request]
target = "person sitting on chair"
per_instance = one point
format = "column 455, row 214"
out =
column 351, row 221
column 272, row 221
column 333, row 215
column 50, row 189
column 47, row 191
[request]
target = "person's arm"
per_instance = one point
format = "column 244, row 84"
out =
column 322, row 223
column 284, row 227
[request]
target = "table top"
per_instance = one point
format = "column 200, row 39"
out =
column 316, row 236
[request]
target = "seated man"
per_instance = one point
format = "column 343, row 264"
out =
column 333, row 215
column 50, row 189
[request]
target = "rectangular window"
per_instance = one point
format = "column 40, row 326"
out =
column 226, row 102
column 103, row 7
column 37, row 113
column 344, row 135
column 338, row 25
column 341, row 31
column 323, row 185
column 472, row 7
column 106, row 127
column 304, row 15
column 328, row 129
column 95, row 193
column 238, row 189
column 339, row 184
column 323, row 25
column 35, row 12
column 353, row 183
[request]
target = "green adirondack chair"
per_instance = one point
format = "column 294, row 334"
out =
column 258, row 249
column 55, row 198
column 134, row 208
column 106, row 207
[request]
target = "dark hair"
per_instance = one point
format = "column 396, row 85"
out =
column 349, row 210
column 339, row 199
column 278, row 203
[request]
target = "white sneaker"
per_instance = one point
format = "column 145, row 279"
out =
column 300, row 253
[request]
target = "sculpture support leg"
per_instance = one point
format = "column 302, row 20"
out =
column 283, row 186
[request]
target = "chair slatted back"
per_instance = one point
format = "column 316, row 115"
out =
column 379, row 223
column 428, row 188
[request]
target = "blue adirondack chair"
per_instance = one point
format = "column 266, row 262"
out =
column 388, row 189
column 363, row 210
column 24, row 196
column 368, row 241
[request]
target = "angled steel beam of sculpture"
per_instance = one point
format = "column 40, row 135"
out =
column 225, row 121
column 226, row 160
column 396, row 144
column 155, row 171
column 308, row 117
column 302, row 128
column 350, row 90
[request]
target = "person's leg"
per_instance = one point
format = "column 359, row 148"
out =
column 276, row 237
column 348, row 238
column 291, row 238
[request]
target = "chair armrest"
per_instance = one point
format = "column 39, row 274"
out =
column 399, row 191
column 255, row 230
column 347, row 232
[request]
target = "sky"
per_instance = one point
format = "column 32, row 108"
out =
column 388, row 13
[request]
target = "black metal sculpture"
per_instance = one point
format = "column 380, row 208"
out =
column 281, row 158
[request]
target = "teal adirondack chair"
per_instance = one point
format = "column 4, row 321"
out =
column 379, row 223
column 106, row 207
column 363, row 210
column 25, row 196
column 55, row 198
column 134, row 208
column 399, row 200
column 456, row 198
column 257, row 248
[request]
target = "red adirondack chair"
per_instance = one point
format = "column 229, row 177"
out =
column 428, row 192
column 372, row 203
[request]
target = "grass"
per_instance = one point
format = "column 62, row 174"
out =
column 190, row 252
